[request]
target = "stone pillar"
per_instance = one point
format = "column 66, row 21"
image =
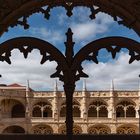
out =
column 84, row 109
column 0, row 111
column 84, row 128
column 84, row 102
column 138, row 106
column 28, row 116
column 113, row 128
column 111, row 108
column 69, row 90
column 55, row 109
column 137, row 113
column 55, row 102
column 28, row 108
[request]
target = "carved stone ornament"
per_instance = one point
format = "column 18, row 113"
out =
column 126, row 12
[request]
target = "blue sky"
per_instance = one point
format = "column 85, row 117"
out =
column 85, row 30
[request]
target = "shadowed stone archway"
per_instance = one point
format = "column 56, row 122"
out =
column 69, row 69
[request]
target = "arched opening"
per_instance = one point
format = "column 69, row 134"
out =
column 12, row 108
column 13, row 129
column 125, row 109
column 63, row 111
column 97, row 109
column 103, row 112
column 92, row 112
column 130, row 111
column 120, row 111
column 47, row 112
column 42, row 109
column 42, row 129
column 76, row 111
column 37, row 112
column 18, row 111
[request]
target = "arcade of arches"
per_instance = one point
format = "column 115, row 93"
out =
column 35, row 112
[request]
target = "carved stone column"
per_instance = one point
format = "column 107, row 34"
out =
column 69, row 90
column 28, row 109
column 84, row 102
column 113, row 129
column 111, row 109
column 55, row 102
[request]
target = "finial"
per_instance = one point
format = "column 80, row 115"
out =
column 55, row 86
column 69, row 46
column 112, row 85
column 84, row 85
column 28, row 86
column 139, row 86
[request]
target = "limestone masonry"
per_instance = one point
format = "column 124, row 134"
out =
column 23, row 110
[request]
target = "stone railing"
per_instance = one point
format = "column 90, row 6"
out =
column 42, row 119
column 13, row 120
column 127, row 120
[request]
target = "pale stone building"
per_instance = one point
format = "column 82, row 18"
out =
column 23, row 110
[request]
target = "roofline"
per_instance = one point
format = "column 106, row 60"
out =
column 23, row 87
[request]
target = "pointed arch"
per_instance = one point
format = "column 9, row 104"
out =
column 91, row 50
column 97, row 109
column 27, row 44
column 12, row 108
column 125, row 108
column 18, row 111
column 129, row 19
column 42, row 109
column 76, row 109
column 13, row 129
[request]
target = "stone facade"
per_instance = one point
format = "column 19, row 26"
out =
column 23, row 110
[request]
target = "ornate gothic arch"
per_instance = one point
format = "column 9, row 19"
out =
column 125, row 109
column 69, row 65
column 127, row 10
column 15, row 108
column 13, row 129
column 97, row 109
column 42, row 109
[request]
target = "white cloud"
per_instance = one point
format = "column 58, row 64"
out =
column 52, row 36
column 125, row 75
column 22, row 69
column 89, row 29
column 100, row 75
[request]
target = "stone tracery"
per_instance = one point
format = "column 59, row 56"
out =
column 42, row 129
column 127, row 130
column 99, row 130
column 42, row 109
column 125, row 109
column 97, row 109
